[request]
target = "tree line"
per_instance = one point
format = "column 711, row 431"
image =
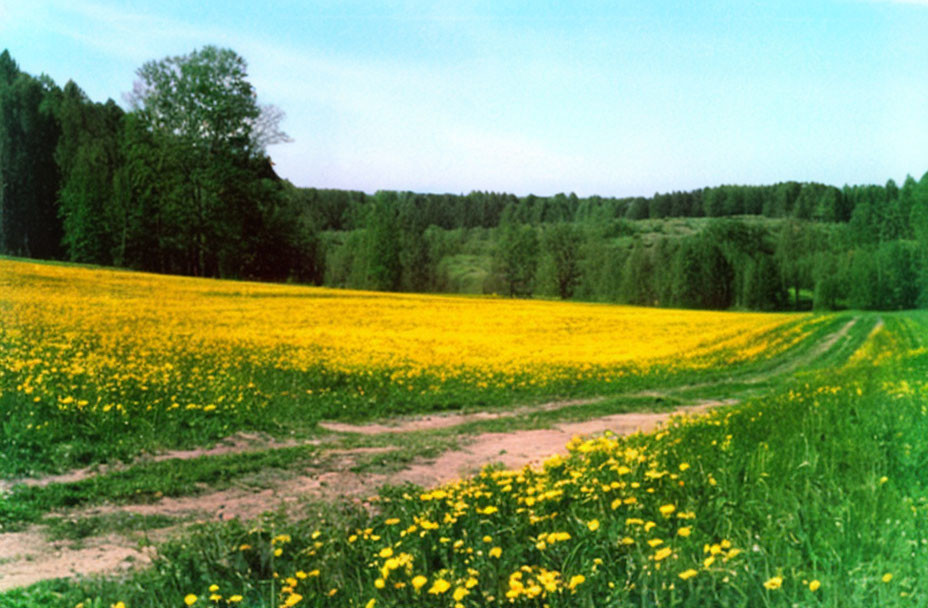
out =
column 181, row 183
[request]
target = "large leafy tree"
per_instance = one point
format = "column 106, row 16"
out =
column 201, row 121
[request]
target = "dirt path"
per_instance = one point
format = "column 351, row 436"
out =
column 441, row 421
column 28, row 557
column 530, row 447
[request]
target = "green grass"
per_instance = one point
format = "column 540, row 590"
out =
column 820, row 479
column 147, row 482
column 77, row 529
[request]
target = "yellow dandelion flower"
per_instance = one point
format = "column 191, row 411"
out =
column 887, row 577
column 773, row 583
column 419, row 581
column 439, row 587
column 814, row 585
column 190, row 599
column 295, row 599
column 662, row 554
column 687, row 574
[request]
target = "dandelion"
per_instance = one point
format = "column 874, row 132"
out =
column 295, row 598
column 814, row 585
column 887, row 577
column 496, row 552
column 439, row 587
column 662, row 554
column 575, row 581
column 419, row 581
column 190, row 599
column 593, row 525
column 684, row 531
column 773, row 583
column 688, row 574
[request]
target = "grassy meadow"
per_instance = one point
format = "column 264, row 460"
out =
column 811, row 491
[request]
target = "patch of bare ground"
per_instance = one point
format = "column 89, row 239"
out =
column 441, row 421
column 530, row 447
column 29, row 557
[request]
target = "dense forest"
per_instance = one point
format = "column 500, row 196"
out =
column 181, row 183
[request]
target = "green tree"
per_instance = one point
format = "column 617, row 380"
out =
column 381, row 260
column 203, row 123
column 515, row 259
column 637, row 277
column 89, row 154
column 793, row 246
column 561, row 247
column 29, row 178
column 919, row 223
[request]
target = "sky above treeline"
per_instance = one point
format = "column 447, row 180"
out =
column 612, row 98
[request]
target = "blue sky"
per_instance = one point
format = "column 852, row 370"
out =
column 597, row 97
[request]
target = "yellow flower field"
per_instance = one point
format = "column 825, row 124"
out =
column 192, row 360
column 353, row 330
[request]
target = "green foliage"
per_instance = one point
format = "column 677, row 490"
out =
column 29, row 176
column 516, row 259
column 820, row 479
column 89, row 154
column 561, row 245
column 381, row 253
column 146, row 482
